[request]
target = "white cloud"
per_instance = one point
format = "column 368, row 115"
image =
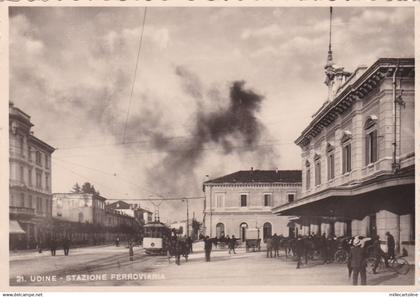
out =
column 271, row 31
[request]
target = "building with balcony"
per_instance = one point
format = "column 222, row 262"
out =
column 244, row 199
column 30, row 198
column 358, row 156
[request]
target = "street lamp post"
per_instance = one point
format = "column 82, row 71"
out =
column 188, row 218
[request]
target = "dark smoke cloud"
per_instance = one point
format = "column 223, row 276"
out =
column 231, row 129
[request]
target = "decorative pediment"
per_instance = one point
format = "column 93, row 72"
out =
column 371, row 121
column 317, row 157
column 330, row 147
column 307, row 163
column 346, row 136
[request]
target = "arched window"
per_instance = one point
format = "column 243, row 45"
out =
column 242, row 230
column 220, row 230
column 266, row 230
column 371, row 140
column 317, row 161
column 330, row 161
column 346, row 143
column 308, row 175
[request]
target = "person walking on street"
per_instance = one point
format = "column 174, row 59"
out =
column 300, row 250
column 276, row 243
column 357, row 261
column 190, row 244
column 269, row 244
column 207, row 247
column 232, row 243
column 66, row 246
column 131, row 250
column 117, row 242
column 390, row 242
column 53, row 246
column 378, row 253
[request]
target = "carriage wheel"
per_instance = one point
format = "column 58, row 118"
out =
column 340, row 256
column 399, row 265
column 371, row 264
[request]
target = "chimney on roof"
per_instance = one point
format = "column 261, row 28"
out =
column 252, row 168
column 277, row 170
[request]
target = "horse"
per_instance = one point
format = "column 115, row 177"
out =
column 178, row 247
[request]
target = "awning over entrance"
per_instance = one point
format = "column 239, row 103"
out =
column 394, row 193
column 15, row 228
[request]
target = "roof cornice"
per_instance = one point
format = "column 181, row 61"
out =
column 360, row 88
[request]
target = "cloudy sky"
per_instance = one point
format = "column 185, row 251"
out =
column 217, row 89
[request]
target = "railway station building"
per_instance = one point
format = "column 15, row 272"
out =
column 244, row 199
column 358, row 158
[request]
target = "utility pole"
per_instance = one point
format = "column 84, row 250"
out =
column 188, row 217
column 188, row 221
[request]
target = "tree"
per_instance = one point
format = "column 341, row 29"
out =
column 89, row 189
column 195, row 227
column 76, row 188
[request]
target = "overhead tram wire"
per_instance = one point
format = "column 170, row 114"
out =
column 105, row 173
column 135, row 74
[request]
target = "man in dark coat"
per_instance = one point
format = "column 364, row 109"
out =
column 378, row 253
column 53, row 246
column 300, row 250
column 357, row 261
column 390, row 242
column 190, row 244
column 66, row 245
column 276, row 244
column 232, row 244
column 207, row 247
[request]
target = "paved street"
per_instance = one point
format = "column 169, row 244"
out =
column 110, row 266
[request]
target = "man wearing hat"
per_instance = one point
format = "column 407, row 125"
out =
column 390, row 242
column 357, row 262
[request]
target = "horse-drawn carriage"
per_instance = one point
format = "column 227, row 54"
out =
column 252, row 240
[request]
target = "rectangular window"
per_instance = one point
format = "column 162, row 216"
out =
column 39, row 179
column 30, row 201
column 267, row 200
column 244, row 200
column 38, row 158
column 30, row 176
column 330, row 167
column 347, row 158
column 29, row 154
column 220, row 200
column 291, row 197
column 317, row 173
column 22, row 172
column 21, row 141
column 47, row 181
column 38, row 205
column 371, row 147
column 22, row 200
column 308, row 179
column 47, row 161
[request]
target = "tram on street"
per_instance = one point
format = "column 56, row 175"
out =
column 156, row 238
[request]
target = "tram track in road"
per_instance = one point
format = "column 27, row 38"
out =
column 108, row 264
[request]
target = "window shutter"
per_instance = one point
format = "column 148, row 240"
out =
column 374, row 146
column 332, row 167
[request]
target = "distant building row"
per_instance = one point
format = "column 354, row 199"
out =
column 35, row 212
